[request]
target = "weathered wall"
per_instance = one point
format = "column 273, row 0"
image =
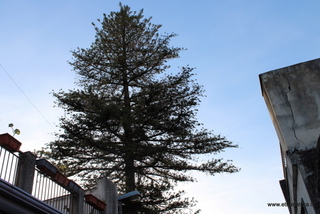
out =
column 107, row 192
column 292, row 95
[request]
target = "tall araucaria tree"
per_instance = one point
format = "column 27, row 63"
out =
column 130, row 120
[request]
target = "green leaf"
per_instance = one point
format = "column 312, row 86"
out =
column 16, row 131
column 10, row 125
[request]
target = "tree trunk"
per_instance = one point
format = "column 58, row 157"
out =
column 130, row 183
column 130, row 174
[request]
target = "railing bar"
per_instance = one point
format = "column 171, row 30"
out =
column 42, row 181
column 9, row 163
column 3, row 161
column 38, row 185
column 62, row 203
column 34, row 183
column 65, row 204
column 43, row 193
column 67, row 201
column 48, row 195
column 15, row 170
column 1, row 157
column 13, row 167
column 51, row 187
column 56, row 194
column 59, row 201
column 10, row 159
column 3, row 165
column 62, row 198
column 52, row 194
column 6, row 169
column 45, row 189
column 35, row 186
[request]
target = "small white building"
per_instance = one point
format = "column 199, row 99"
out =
column 292, row 96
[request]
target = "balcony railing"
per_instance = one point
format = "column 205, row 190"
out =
column 43, row 181
column 52, row 193
column 8, row 165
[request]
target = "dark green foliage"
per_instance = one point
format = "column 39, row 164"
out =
column 130, row 120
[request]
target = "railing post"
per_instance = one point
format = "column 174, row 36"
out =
column 25, row 171
column 78, row 202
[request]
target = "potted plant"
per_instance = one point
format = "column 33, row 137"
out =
column 61, row 179
column 95, row 202
column 46, row 167
column 91, row 199
column 101, row 205
column 73, row 187
column 9, row 142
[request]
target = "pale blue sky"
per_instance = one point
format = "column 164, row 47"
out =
column 229, row 42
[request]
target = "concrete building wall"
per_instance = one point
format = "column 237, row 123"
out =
column 292, row 95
